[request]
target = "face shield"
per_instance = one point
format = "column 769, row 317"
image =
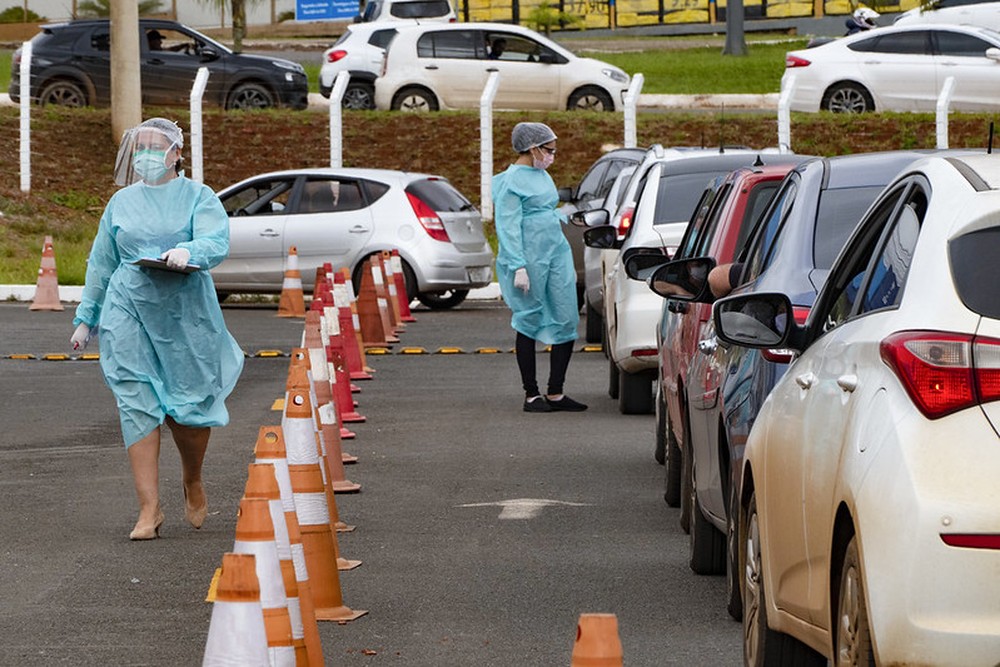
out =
column 146, row 152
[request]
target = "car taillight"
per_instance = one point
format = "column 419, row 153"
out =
column 944, row 372
column 972, row 540
column 625, row 222
column 795, row 61
column 429, row 220
column 784, row 355
column 334, row 56
column 646, row 352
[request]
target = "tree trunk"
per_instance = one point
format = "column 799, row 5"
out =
column 736, row 43
column 239, row 24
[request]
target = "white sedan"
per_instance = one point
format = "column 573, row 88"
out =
column 897, row 69
column 869, row 510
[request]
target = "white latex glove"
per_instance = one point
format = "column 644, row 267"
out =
column 521, row 281
column 176, row 258
column 80, row 337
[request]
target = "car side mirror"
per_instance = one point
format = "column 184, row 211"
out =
column 604, row 237
column 755, row 320
column 208, row 53
column 566, row 194
column 358, row 19
column 993, row 54
column 683, row 280
column 640, row 263
column 546, row 58
column 595, row 217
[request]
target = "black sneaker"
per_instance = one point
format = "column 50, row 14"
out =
column 539, row 404
column 565, row 404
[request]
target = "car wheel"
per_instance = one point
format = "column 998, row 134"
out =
column 613, row 373
column 444, row 299
column 734, row 558
column 595, row 325
column 63, row 92
column 221, row 296
column 762, row 646
column 246, row 96
column 675, row 465
column 660, row 431
column 846, row 97
column 590, row 98
column 635, row 393
column 854, row 641
column 707, row 546
column 359, row 95
column 409, row 280
column 687, row 474
column 414, row 100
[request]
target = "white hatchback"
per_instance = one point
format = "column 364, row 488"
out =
column 869, row 526
column 432, row 67
column 359, row 51
column 900, row 68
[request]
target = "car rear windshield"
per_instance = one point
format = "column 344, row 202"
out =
column 678, row 195
column 440, row 195
column 839, row 213
column 975, row 270
column 421, row 9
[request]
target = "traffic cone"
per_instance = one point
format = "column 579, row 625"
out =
column 342, row 394
column 597, row 643
column 327, row 327
column 47, row 285
column 390, row 285
column 373, row 332
column 323, row 384
column 352, row 300
column 352, row 342
column 292, row 301
column 236, row 633
column 262, row 484
column 382, row 295
column 404, row 295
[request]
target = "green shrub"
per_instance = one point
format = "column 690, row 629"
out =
column 17, row 15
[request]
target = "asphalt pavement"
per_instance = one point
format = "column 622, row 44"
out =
column 447, row 577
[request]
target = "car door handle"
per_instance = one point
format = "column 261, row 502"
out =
column 358, row 229
column 269, row 232
column 848, row 382
column 492, row 69
column 806, row 380
column 431, row 67
column 708, row 346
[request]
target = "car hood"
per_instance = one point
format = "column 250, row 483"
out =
column 267, row 61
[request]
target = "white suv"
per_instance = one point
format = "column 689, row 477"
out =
column 431, row 67
column 359, row 51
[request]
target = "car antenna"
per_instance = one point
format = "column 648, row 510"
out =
column 989, row 142
column 759, row 162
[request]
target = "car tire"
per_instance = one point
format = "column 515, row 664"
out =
column 733, row 557
column 590, row 98
column 358, row 95
column 63, row 92
column 687, row 474
column 762, row 646
column 847, row 97
column 221, row 296
column 674, row 467
column 660, row 428
column 635, row 393
column 249, row 95
column 853, row 634
column 707, row 546
column 443, row 300
column 414, row 100
column 613, row 381
column 594, row 324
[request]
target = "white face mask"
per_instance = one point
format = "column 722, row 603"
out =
column 545, row 161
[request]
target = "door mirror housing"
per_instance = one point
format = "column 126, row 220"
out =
column 683, row 280
column 757, row 320
column 604, row 237
column 595, row 217
column 641, row 262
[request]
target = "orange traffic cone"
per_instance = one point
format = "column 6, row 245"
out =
column 404, row 298
column 373, row 333
column 292, row 302
column 236, row 633
column 352, row 342
column 597, row 643
column 395, row 315
column 355, row 319
column 317, row 333
column 382, row 295
column 47, row 286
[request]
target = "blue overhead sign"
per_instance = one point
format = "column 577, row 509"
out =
column 325, row 10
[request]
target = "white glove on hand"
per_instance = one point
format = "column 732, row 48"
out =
column 521, row 281
column 177, row 258
column 80, row 337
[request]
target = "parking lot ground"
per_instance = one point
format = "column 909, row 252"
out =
column 447, row 580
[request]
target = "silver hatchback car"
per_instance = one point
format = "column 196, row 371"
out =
column 343, row 216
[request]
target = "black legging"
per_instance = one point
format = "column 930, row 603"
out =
column 524, row 348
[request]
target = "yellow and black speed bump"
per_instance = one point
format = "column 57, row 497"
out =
column 56, row 357
column 591, row 348
column 89, row 356
column 270, row 353
column 488, row 350
column 413, row 350
column 450, row 350
column 377, row 350
column 21, row 356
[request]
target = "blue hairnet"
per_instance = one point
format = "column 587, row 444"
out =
column 528, row 135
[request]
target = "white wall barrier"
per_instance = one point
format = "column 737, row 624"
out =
column 25, row 74
column 337, row 119
column 943, row 104
column 486, row 145
column 197, row 132
column 631, row 100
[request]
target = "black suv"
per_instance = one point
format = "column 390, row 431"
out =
column 71, row 64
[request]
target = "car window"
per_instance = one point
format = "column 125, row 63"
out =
column 511, row 47
column 165, row 41
column 959, row 44
column 838, row 214
column 591, row 183
column 100, row 40
column 769, row 226
column 459, row 44
column 912, row 42
column 975, row 270
column 614, row 169
column 677, row 196
column 372, row 10
column 440, row 195
column 330, row 195
column 381, row 38
column 692, row 233
column 264, row 197
column 374, row 190
column 885, row 286
column 757, row 201
column 420, row 9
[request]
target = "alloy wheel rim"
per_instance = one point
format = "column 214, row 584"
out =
column 850, row 612
column 847, row 101
column 752, row 593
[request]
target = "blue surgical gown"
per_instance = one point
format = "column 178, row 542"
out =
column 165, row 349
column 530, row 235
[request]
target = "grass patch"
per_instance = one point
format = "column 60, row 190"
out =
column 5, row 59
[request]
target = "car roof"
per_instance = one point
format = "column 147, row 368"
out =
column 866, row 169
column 984, row 166
column 353, row 172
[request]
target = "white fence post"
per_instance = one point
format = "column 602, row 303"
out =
column 943, row 103
column 337, row 119
column 785, row 116
column 486, row 145
column 25, row 73
column 631, row 100
column 197, row 134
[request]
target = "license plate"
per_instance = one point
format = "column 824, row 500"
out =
column 480, row 274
